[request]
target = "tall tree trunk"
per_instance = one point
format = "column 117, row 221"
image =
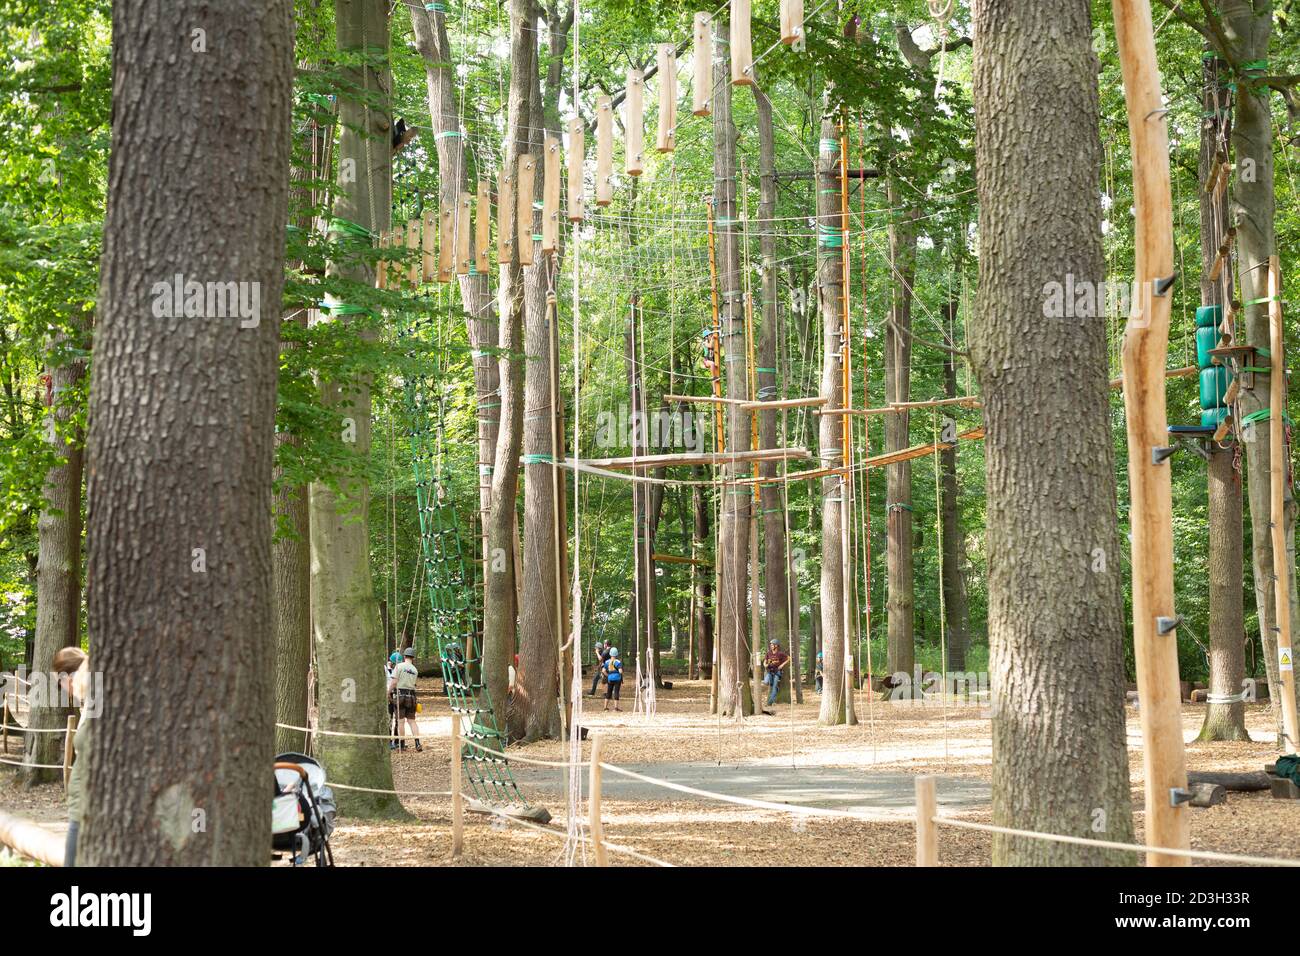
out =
column 776, row 586
column 349, row 636
column 837, row 694
column 58, row 564
column 956, row 616
column 1227, row 618
column 1056, row 626
column 1254, row 212
column 431, row 40
column 901, row 595
column 182, row 547
column 520, row 289
column 734, row 690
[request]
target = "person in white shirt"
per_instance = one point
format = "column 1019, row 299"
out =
column 403, row 683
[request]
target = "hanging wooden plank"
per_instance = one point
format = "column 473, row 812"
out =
column 381, row 270
column 634, row 121
column 666, row 137
column 413, row 244
column 577, row 155
column 1146, row 343
column 550, row 194
column 429, row 245
column 791, row 21
column 524, row 208
column 702, row 65
column 742, row 49
column 446, row 241
column 464, row 233
column 483, row 228
column 604, row 151
column 505, row 217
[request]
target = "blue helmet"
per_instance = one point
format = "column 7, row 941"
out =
column 819, row 655
column 394, row 658
column 613, row 652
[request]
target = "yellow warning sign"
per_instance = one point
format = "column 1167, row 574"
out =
column 1284, row 658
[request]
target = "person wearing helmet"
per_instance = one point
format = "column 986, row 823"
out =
column 602, row 655
column 402, row 685
column 612, row 669
column 819, row 672
column 775, row 662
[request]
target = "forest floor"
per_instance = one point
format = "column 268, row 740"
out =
column 784, row 758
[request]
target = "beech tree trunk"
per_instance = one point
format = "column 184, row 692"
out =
column 518, row 286
column 703, row 580
column 901, row 595
column 434, row 47
column 734, row 690
column 1056, row 626
column 181, row 550
column 1227, row 617
column 1249, row 26
column 58, row 564
column 956, row 616
column 349, row 637
column 776, row 582
column 837, row 692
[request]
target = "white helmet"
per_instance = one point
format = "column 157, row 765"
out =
column 613, row 652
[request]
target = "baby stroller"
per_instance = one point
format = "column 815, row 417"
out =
column 303, row 809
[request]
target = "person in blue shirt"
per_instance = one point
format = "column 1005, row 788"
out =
column 819, row 672
column 612, row 668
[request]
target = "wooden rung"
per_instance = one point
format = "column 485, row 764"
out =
column 1225, row 173
column 634, row 120
column 483, row 228
column 577, row 154
column 791, row 21
column 505, row 218
column 524, row 208
column 604, row 151
column 1230, row 396
column 381, row 266
column 665, row 139
column 1225, row 426
column 742, row 50
column 550, row 194
column 706, row 399
column 1212, row 177
column 677, row 559
column 413, row 244
column 702, row 65
column 429, row 245
column 446, row 241
column 464, row 233
column 897, row 408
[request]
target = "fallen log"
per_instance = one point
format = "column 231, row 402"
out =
column 1208, row 794
column 27, row 839
column 1237, row 782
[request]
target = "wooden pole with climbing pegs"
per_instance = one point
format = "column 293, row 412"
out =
column 1146, row 343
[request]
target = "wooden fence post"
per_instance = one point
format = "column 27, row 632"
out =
column 593, row 805
column 927, row 832
column 457, row 804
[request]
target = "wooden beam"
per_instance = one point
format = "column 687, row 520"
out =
column 604, row 150
column 483, row 228
column 713, row 459
column 666, row 135
column 577, row 154
column 505, row 217
column 1187, row 371
column 1146, row 344
column 524, row 209
column 791, row 21
column 897, row 408
column 27, row 839
column 706, row 399
column 464, row 233
column 702, row 65
column 920, row 451
column 777, row 404
column 742, row 48
column 550, row 194
column 446, row 241
column 633, row 121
